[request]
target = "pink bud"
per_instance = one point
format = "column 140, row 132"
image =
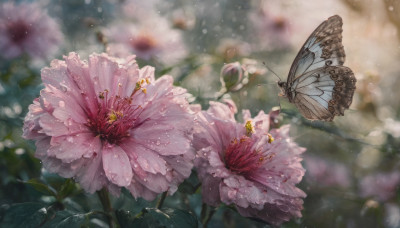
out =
column 231, row 76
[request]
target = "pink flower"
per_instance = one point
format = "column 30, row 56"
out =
column 249, row 165
column 272, row 25
column 380, row 186
column 152, row 38
column 26, row 28
column 325, row 173
column 108, row 123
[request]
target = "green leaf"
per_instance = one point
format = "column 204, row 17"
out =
column 152, row 217
column 73, row 221
column 66, row 218
column 41, row 187
column 66, row 189
column 125, row 218
column 24, row 215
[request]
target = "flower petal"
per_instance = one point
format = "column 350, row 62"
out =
column 116, row 165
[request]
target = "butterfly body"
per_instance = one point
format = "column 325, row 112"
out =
column 318, row 83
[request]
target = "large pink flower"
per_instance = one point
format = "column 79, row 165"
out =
column 248, row 165
column 26, row 28
column 108, row 123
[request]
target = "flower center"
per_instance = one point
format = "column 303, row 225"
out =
column 144, row 43
column 241, row 157
column 115, row 116
column 279, row 23
column 18, row 31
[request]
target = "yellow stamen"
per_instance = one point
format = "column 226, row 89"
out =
column 138, row 86
column 144, row 90
column 148, row 81
column 249, row 128
column 270, row 138
column 112, row 117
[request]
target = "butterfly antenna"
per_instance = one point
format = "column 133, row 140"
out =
column 272, row 71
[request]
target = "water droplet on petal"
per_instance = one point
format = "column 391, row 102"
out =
column 70, row 139
column 61, row 104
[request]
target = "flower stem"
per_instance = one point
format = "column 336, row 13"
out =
column 206, row 214
column 161, row 200
column 106, row 203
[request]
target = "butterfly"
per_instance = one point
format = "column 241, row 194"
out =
column 318, row 83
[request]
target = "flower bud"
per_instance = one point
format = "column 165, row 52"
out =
column 231, row 76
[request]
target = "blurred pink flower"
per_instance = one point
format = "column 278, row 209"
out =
column 248, row 165
column 325, row 173
column 380, row 186
column 26, row 28
column 272, row 25
column 230, row 49
column 107, row 123
column 152, row 38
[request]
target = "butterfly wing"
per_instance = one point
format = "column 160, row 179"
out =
column 318, row 84
column 322, row 48
column 323, row 93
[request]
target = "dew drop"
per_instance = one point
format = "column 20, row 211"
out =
column 70, row 139
column 158, row 142
column 61, row 104
column 390, row 8
column 69, row 121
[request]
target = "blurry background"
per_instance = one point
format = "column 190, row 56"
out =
column 353, row 164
